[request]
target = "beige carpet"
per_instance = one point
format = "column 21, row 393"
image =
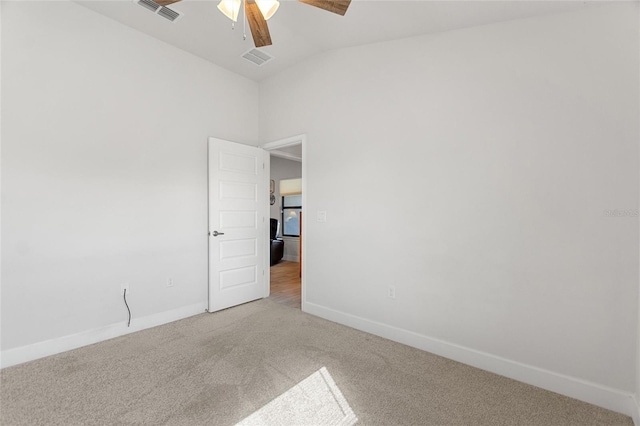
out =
column 219, row 369
column 316, row 400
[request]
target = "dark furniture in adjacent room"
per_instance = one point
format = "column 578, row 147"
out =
column 277, row 245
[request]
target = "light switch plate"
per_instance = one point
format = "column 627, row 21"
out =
column 322, row 216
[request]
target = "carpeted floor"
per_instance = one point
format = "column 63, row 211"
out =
column 217, row 369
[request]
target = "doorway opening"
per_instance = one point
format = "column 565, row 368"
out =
column 286, row 274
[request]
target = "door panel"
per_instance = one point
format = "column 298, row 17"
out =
column 237, row 206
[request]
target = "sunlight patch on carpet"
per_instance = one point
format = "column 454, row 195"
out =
column 314, row 401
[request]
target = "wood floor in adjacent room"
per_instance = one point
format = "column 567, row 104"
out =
column 285, row 284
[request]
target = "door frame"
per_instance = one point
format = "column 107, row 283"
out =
column 283, row 143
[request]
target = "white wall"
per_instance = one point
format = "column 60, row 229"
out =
column 104, row 170
column 282, row 168
column 472, row 170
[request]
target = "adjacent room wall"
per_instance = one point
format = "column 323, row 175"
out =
column 477, row 172
column 282, row 168
column 104, row 172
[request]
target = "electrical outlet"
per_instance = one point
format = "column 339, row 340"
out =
column 169, row 282
column 123, row 287
column 391, row 292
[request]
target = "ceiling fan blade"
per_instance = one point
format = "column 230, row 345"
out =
column 336, row 6
column 166, row 2
column 257, row 23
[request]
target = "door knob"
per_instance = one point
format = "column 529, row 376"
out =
column 216, row 233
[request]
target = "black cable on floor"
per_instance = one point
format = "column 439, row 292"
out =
column 127, row 305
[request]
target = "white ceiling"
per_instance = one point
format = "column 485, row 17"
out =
column 293, row 152
column 299, row 31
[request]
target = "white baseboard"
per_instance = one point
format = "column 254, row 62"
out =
column 291, row 258
column 602, row 396
column 636, row 410
column 54, row 346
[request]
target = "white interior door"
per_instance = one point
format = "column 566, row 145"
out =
column 237, row 224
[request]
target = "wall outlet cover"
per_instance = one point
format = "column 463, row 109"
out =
column 391, row 292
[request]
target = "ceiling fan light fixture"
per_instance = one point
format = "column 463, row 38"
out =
column 268, row 7
column 230, row 8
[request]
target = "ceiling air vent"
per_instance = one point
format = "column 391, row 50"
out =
column 171, row 15
column 163, row 11
column 149, row 4
column 257, row 57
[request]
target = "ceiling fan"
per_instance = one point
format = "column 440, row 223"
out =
column 258, row 11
